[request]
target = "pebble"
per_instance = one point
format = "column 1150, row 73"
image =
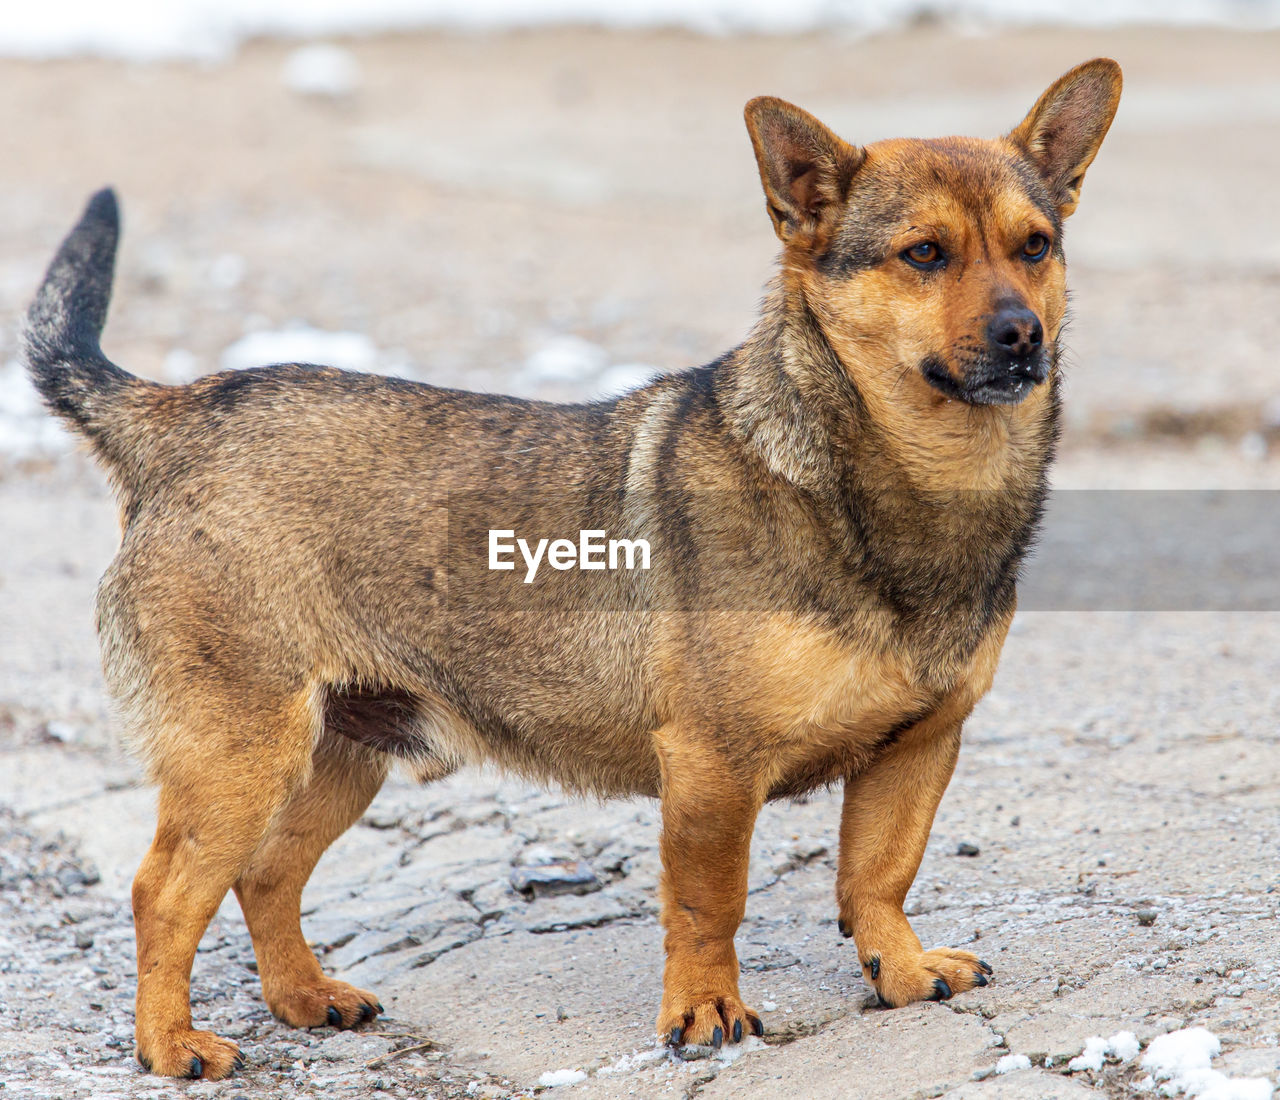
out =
column 966, row 848
column 1147, row 917
column 549, row 879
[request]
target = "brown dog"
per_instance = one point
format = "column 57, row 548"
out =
column 835, row 511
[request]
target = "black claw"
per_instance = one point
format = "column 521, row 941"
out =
column 366, row 1013
column 845, row 930
column 941, row 991
column 144, row 1062
column 196, row 1069
column 757, row 1026
column 979, row 978
column 717, row 1038
column 334, row 1017
column 986, row 967
column 873, row 965
column 380, row 1009
column 882, row 1002
column 737, row 1031
column 677, row 1036
column 239, row 1063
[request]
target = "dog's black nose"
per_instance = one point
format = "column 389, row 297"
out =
column 1015, row 332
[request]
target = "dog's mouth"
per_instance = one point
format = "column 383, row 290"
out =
column 987, row 383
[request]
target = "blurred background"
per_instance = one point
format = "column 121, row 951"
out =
column 559, row 198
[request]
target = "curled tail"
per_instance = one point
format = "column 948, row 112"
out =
column 64, row 323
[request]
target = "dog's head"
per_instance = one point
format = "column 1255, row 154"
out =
column 936, row 265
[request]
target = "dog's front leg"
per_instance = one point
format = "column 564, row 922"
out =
column 708, row 814
column 888, row 811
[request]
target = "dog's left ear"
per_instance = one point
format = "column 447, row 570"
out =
column 804, row 167
column 1063, row 131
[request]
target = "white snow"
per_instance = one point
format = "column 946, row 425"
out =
column 1092, row 1057
column 211, row 29
column 227, row 271
column 1122, row 1046
column 1179, row 1062
column 321, row 70
column 564, row 358
column 557, row 1077
column 180, row 366
column 1011, row 1062
column 637, row 1059
column 731, row 1052
column 27, row 429
column 623, row 377
column 302, row 344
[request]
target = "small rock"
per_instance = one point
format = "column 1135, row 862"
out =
column 382, row 819
column 965, row 848
column 347, row 1046
column 84, row 939
column 549, row 879
column 1147, row 917
column 71, row 878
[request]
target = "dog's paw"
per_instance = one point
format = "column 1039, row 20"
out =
column 191, row 1054
column 327, row 1003
column 929, row 976
column 707, row 1023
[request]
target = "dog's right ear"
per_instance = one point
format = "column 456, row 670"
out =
column 805, row 168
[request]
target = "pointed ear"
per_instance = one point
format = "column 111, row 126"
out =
column 1063, row 131
column 804, row 167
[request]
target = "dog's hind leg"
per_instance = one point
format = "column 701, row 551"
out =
column 225, row 768
column 343, row 780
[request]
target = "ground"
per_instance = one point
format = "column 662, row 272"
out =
column 527, row 212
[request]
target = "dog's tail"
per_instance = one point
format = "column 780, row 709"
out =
column 60, row 337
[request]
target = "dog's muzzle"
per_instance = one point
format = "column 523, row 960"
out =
column 1013, row 365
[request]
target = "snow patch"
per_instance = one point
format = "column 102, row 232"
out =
column 637, row 1059
column 557, row 1077
column 302, row 344
column 1122, row 1047
column 322, row 71
column 564, row 359
column 1179, row 1063
column 154, row 29
column 731, row 1052
column 569, row 363
column 623, row 378
column 1011, row 1062
column 27, row 429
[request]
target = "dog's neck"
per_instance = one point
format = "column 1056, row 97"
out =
column 939, row 504
column 799, row 400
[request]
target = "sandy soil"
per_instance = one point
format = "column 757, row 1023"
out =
column 479, row 200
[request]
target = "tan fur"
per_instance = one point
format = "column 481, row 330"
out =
column 837, row 511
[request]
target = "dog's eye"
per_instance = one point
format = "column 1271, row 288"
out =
column 1036, row 248
column 925, row 256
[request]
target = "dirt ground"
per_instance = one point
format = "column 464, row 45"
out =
column 484, row 208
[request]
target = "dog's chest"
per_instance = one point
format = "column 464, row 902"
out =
column 831, row 705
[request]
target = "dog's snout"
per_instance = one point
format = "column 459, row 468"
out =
column 1015, row 332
